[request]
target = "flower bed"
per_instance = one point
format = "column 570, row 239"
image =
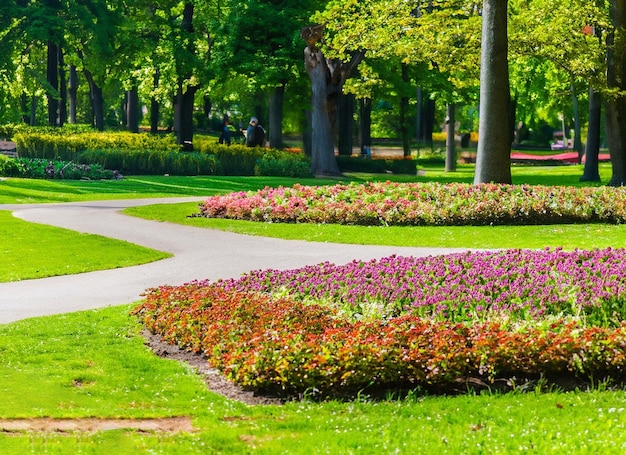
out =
column 405, row 322
column 422, row 204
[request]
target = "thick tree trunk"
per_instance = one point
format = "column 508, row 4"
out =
column 277, row 96
column 73, row 93
column 346, row 123
column 323, row 161
column 132, row 110
column 616, row 138
column 591, row 172
column 53, row 81
column 307, row 137
column 615, row 111
column 493, row 158
column 450, row 151
column 327, row 79
column 185, row 103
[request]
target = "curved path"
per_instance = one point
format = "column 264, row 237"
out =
column 197, row 254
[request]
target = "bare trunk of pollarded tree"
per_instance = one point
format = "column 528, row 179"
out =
column 323, row 161
column 493, row 158
column 327, row 79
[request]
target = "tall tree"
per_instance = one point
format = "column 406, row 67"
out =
column 323, row 160
column 259, row 40
column 494, row 144
column 616, row 102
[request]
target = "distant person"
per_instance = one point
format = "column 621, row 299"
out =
column 225, row 136
column 255, row 134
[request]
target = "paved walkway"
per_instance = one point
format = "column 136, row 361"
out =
column 198, row 254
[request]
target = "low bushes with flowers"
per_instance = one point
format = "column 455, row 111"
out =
column 436, row 323
column 388, row 203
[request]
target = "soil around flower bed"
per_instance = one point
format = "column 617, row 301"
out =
column 46, row 424
column 217, row 383
column 213, row 378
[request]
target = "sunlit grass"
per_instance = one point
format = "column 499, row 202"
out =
column 31, row 250
column 94, row 364
column 567, row 236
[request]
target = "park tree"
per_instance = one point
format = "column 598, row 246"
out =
column 434, row 40
column 616, row 89
column 260, row 40
column 493, row 160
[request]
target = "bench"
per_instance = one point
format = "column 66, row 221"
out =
column 8, row 148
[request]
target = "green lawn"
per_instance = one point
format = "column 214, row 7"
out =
column 94, row 363
column 32, row 250
column 39, row 263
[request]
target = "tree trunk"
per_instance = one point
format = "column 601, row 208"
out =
column 154, row 104
column 615, row 112
column 346, row 123
column 365, row 125
column 450, row 151
column 425, row 117
column 33, row 110
column 493, row 158
column 277, row 96
column 578, row 145
column 591, row 172
column 327, row 79
column 62, row 89
column 97, row 102
column 73, row 92
column 53, row 81
column 323, row 161
column 307, row 139
column 132, row 110
column 404, row 115
column 185, row 103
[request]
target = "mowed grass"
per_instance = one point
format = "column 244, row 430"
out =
column 41, row 246
column 94, row 364
column 567, row 236
column 31, row 250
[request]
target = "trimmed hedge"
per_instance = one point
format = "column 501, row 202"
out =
column 131, row 153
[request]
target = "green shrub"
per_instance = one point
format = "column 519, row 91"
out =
column 9, row 167
column 39, row 168
column 131, row 153
column 283, row 164
column 359, row 164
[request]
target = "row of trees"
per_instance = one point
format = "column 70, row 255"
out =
column 539, row 58
column 180, row 58
column 520, row 58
